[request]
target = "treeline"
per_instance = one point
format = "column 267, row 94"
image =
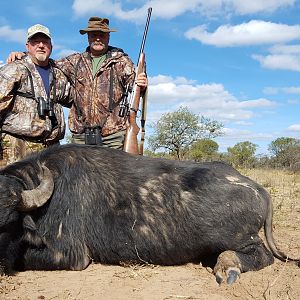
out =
column 186, row 136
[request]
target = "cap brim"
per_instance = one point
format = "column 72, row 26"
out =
column 84, row 31
column 31, row 35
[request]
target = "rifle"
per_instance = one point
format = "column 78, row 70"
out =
column 131, row 141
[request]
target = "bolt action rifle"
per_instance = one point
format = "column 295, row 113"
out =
column 131, row 139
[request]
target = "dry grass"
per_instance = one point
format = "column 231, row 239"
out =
column 284, row 188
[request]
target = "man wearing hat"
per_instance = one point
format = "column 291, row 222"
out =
column 30, row 116
column 99, row 77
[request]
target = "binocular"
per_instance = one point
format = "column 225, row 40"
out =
column 92, row 136
column 45, row 107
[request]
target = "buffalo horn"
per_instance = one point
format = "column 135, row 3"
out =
column 37, row 197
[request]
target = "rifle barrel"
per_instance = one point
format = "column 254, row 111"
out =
column 145, row 32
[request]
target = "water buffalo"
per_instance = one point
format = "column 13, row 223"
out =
column 69, row 205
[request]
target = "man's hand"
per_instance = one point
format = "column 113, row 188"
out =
column 14, row 56
column 142, row 81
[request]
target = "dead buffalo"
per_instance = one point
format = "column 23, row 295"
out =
column 69, row 205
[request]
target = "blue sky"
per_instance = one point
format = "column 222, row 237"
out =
column 234, row 61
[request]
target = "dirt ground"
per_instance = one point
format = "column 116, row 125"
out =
column 278, row 281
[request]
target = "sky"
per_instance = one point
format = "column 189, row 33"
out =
column 233, row 61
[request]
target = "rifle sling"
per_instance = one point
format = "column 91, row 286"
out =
column 52, row 80
column 111, row 89
column 77, row 108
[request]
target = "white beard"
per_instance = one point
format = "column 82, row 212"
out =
column 41, row 57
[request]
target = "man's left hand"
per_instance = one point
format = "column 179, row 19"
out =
column 142, row 81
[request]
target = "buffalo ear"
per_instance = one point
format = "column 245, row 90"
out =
column 37, row 197
column 31, row 235
column 29, row 224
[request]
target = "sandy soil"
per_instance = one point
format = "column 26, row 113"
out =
column 278, row 281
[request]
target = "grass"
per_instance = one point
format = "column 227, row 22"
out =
column 284, row 188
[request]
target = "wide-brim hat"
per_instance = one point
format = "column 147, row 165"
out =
column 38, row 28
column 97, row 24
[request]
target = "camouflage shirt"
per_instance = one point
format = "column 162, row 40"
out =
column 96, row 98
column 18, row 107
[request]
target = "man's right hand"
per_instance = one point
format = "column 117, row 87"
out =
column 14, row 56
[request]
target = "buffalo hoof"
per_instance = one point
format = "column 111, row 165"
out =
column 219, row 278
column 233, row 275
column 228, row 267
column 230, row 276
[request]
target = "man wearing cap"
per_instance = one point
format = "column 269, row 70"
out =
column 31, row 117
column 98, row 78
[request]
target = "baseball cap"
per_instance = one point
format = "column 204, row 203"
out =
column 38, row 28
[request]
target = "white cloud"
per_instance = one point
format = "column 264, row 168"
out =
column 108, row 8
column 12, row 35
column 1, row 63
column 234, row 135
column 270, row 90
column 291, row 90
column 171, row 9
column 243, row 123
column 261, row 102
column 280, row 61
column 282, row 57
column 211, row 100
column 254, row 32
column 254, row 6
column 285, row 49
column 295, row 127
column 241, row 134
column 164, row 79
column 287, row 90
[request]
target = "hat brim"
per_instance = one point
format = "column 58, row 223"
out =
column 84, row 31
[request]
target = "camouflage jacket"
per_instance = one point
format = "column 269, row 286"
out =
column 18, row 108
column 95, row 98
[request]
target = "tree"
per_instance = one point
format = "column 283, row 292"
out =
column 285, row 151
column 293, row 157
column 204, row 150
column 242, row 154
column 210, row 128
column 282, row 144
column 176, row 131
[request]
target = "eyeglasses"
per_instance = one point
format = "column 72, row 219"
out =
column 37, row 42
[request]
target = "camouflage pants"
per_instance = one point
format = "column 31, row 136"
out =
column 115, row 140
column 13, row 149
